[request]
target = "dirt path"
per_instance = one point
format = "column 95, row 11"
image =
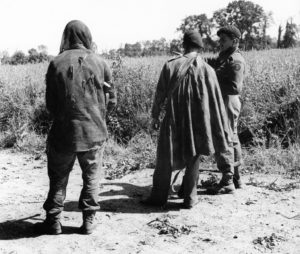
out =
column 261, row 218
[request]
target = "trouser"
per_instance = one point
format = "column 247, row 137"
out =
column 163, row 173
column 190, row 180
column 225, row 160
column 60, row 165
column 233, row 108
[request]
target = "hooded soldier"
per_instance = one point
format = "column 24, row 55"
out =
column 77, row 82
column 195, row 122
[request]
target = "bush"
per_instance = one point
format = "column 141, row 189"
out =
column 271, row 85
column 135, row 81
column 22, row 92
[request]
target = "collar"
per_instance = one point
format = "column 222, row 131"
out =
column 228, row 52
column 191, row 54
column 74, row 46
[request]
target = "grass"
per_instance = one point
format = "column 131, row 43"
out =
column 272, row 85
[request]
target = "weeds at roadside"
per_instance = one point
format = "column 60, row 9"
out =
column 275, row 159
column 273, row 186
column 268, row 242
column 165, row 227
column 120, row 160
column 212, row 180
column 121, row 168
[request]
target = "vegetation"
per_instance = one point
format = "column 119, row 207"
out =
column 39, row 55
column 290, row 36
column 270, row 109
column 251, row 19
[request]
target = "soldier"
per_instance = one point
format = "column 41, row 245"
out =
column 194, row 123
column 230, row 69
column 77, row 82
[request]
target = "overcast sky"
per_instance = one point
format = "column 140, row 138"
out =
column 26, row 24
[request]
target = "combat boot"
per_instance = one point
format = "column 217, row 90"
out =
column 180, row 192
column 50, row 226
column 88, row 224
column 189, row 203
column 225, row 186
column 237, row 179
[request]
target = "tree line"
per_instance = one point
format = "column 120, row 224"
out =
column 38, row 55
column 250, row 18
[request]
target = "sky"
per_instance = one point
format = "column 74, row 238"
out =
column 27, row 24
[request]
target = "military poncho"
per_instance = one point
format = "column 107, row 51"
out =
column 195, row 121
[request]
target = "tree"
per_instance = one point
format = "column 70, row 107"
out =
column 220, row 17
column 147, row 48
column 33, row 56
column 197, row 22
column 248, row 17
column 202, row 24
column 279, row 37
column 43, row 49
column 267, row 19
column 43, row 57
column 112, row 54
column 159, row 47
column 132, row 50
column 18, row 58
column 37, row 57
column 155, row 47
column 175, row 46
column 289, row 37
column 4, row 57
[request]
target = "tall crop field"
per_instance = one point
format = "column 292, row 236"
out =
column 270, row 100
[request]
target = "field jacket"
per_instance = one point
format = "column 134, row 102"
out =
column 75, row 97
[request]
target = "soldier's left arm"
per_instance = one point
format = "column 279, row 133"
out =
column 161, row 92
column 231, row 76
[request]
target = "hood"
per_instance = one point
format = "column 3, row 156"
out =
column 76, row 35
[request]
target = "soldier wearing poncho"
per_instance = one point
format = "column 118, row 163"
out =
column 76, row 88
column 195, row 122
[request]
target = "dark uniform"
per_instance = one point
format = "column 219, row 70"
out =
column 75, row 97
column 230, row 68
column 195, row 124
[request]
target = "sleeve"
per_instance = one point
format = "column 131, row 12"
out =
column 231, row 76
column 51, row 89
column 112, row 97
column 161, row 92
column 219, row 120
column 211, row 61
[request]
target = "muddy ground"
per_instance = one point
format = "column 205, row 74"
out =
column 264, row 217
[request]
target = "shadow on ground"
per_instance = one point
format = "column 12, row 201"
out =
column 129, row 204
column 22, row 228
column 127, row 189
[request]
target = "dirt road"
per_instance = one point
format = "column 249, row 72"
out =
column 264, row 217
